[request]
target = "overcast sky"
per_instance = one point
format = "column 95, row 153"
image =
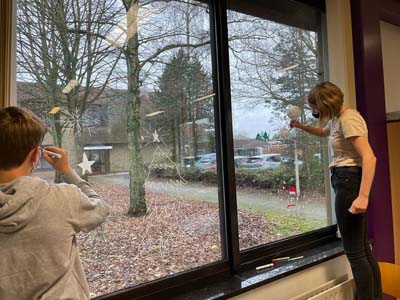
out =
column 249, row 121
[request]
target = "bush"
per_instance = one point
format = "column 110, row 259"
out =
column 313, row 178
column 188, row 174
column 273, row 179
column 265, row 179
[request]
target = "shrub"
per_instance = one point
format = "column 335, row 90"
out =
column 273, row 179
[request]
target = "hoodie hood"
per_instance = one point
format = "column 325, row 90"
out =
column 19, row 202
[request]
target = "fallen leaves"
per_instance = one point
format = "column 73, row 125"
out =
column 176, row 235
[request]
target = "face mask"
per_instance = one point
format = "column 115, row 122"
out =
column 315, row 115
column 35, row 164
column 34, row 167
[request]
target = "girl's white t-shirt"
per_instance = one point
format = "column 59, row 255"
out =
column 349, row 124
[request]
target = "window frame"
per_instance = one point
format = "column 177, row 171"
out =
column 233, row 260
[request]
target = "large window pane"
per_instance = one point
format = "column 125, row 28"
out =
column 130, row 88
column 280, row 174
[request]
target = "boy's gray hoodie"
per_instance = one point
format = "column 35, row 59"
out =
column 39, row 258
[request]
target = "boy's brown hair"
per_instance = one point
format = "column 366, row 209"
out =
column 20, row 132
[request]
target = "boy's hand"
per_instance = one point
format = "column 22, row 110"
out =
column 59, row 164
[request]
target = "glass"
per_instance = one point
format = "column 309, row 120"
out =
column 280, row 172
column 43, row 165
column 132, row 90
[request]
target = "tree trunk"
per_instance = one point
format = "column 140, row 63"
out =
column 194, row 131
column 79, row 150
column 173, row 141
column 57, row 133
column 180, row 136
column 57, row 141
column 137, row 205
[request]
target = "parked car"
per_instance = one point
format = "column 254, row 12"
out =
column 207, row 161
column 191, row 161
column 290, row 161
column 188, row 161
column 318, row 156
column 239, row 160
column 263, row 161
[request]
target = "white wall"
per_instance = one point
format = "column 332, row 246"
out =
column 285, row 288
column 340, row 48
column 391, row 65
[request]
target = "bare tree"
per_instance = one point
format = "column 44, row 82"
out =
column 80, row 41
column 143, row 51
column 67, row 70
column 276, row 65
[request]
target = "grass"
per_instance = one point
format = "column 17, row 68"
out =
column 290, row 224
column 286, row 224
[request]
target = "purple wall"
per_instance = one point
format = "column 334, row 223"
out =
column 366, row 17
column 390, row 11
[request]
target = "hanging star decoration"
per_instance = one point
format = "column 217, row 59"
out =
column 86, row 164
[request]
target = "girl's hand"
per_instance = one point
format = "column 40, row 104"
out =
column 295, row 123
column 359, row 205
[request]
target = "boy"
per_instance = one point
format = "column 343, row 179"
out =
column 39, row 258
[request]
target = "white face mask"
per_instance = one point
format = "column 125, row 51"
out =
column 35, row 164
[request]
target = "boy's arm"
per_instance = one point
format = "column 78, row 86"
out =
column 88, row 210
column 72, row 178
column 92, row 210
column 61, row 164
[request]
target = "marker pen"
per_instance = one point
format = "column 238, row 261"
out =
column 265, row 266
column 52, row 154
column 281, row 258
column 295, row 258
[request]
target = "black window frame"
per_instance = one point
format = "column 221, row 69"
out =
column 234, row 261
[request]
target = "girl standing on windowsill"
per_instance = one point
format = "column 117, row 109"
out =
column 352, row 172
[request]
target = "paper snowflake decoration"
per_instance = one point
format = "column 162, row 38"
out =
column 294, row 112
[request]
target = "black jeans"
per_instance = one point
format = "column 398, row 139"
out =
column 353, row 228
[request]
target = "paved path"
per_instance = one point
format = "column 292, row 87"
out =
column 260, row 201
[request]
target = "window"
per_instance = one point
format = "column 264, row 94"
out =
column 137, row 118
column 101, row 157
column 138, row 90
column 43, row 164
column 275, row 60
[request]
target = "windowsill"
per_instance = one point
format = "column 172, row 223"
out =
column 230, row 286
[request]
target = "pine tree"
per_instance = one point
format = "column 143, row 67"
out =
column 181, row 83
column 298, row 62
column 297, row 66
column 266, row 137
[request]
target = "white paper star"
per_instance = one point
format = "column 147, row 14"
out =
column 86, row 164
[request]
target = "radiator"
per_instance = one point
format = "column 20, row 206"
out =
column 341, row 288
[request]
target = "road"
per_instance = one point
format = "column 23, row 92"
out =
column 259, row 201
